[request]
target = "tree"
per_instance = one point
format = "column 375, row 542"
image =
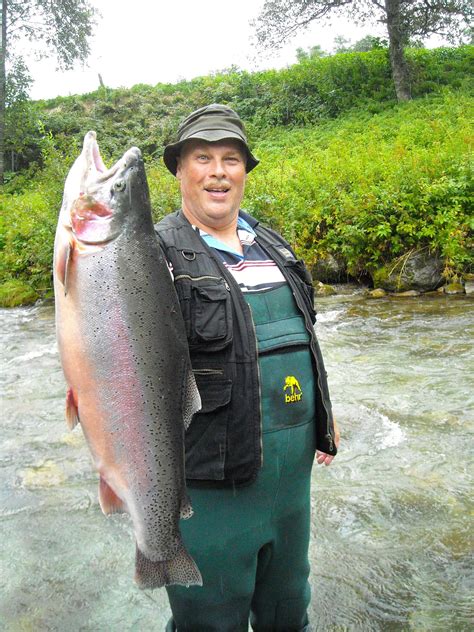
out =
column 314, row 52
column 59, row 28
column 21, row 120
column 280, row 20
column 369, row 42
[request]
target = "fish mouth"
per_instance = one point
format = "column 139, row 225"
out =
column 95, row 171
column 91, row 212
column 130, row 157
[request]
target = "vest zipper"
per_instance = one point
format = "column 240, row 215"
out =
column 259, row 385
column 202, row 278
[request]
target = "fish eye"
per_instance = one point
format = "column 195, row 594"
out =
column 119, row 185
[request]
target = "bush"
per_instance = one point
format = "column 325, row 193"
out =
column 369, row 188
column 303, row 94
column 382, row 179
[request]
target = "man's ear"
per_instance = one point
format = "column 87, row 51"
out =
column 178, row 167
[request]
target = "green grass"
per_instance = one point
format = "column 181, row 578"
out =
column 366, row 187
column 369, row 187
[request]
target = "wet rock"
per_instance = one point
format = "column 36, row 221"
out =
column 329, row 270
column 420, row 271
column 377, row 293
column 454, row 288
column 469, row 287
column 408, row 293
column 321, row 289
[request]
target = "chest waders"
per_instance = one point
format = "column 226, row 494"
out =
column 251, row 543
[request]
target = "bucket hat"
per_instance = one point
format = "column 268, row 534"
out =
column 211, row 123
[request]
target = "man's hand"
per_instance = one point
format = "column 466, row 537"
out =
column 322, row 457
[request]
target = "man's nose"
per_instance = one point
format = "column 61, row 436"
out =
column 218, row 169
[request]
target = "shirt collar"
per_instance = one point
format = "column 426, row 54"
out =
column 244, row 230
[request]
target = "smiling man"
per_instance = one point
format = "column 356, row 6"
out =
column 247, row 304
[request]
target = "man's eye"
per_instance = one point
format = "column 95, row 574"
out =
column 202, row 157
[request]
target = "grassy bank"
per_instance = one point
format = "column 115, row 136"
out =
column 300, row 95
column 364, row 187
column 345, row 170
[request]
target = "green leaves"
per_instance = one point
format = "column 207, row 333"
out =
column 377, row 182
column 371, row 188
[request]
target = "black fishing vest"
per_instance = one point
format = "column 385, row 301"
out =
column 223, row 442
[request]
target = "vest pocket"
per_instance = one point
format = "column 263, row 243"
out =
column 207, row 311
column 206, row 437
column 211, row 307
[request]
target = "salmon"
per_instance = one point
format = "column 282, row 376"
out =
column 125, row 357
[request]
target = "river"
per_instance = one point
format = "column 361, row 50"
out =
column 391, row 539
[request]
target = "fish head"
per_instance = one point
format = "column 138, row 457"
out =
column 99, row 203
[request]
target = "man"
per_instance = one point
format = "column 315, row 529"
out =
column 247, row 304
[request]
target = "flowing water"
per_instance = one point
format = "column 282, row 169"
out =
column 392, row 542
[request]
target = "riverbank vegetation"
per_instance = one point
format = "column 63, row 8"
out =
column 345, row 171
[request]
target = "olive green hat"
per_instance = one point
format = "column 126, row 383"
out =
column 211, row 123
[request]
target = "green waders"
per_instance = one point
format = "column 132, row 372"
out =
column 251, row 543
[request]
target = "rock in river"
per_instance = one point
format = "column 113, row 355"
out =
column 420, row 271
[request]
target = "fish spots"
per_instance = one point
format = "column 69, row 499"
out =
column 130, row 382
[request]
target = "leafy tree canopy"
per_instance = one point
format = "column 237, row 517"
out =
column 47, row 28
column 280, row 20
column 59, row 27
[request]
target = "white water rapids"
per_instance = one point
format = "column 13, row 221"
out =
column 392, row 541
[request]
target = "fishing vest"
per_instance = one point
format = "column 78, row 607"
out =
column 223, row 442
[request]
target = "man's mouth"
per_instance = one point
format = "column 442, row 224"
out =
column 217, row 192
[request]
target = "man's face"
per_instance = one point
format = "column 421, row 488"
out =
column 212, row 177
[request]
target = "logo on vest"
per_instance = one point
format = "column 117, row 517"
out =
column 295, row 392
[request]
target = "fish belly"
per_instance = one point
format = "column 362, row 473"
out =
column 126, row 361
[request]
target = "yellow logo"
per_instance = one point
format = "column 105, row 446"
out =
column 295, row 393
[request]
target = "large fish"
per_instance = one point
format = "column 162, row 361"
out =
column 125, row 357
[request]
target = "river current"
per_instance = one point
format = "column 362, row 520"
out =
column 391, row 538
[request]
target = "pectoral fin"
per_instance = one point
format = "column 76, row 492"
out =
column 109, row 501
column 72, row 414
column 63, row 260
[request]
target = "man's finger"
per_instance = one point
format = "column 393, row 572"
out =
column 322, row 457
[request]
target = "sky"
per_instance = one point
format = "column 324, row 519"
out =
column 143, row 41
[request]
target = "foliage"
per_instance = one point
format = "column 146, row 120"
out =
column 303, row 94
column 314, row 52
column 369, row 42
column 16, row 292
column 280, row 20
column 366, row 188
column 21, row 120
column 59, row 28
column 369, row 188
column 28, row 221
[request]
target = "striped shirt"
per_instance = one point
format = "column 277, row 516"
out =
column 253, row 270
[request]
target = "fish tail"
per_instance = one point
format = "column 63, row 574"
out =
column 181, row 569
